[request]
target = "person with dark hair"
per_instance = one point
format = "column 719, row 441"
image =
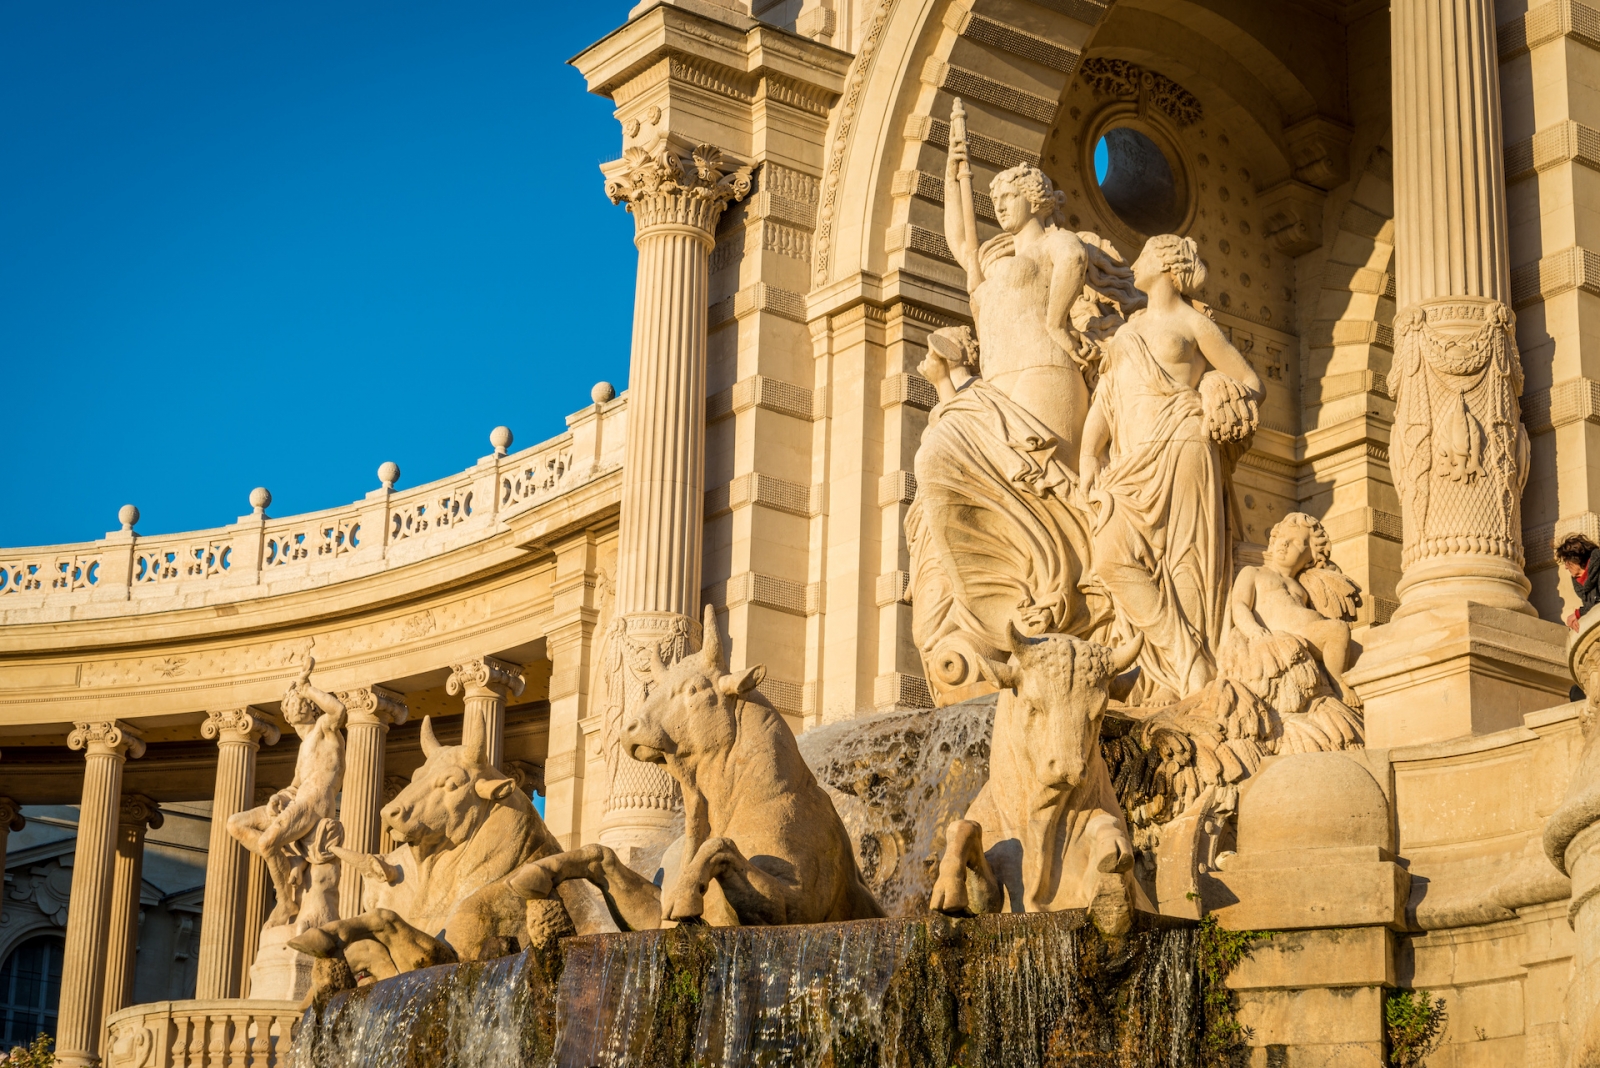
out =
column 1581, row 558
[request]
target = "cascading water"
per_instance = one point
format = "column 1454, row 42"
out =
column 1036, row 991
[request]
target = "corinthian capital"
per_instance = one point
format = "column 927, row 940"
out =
column 107, row 738
column 239, row 725
column 138, row 810
column 484, row 676
column 662, row 185
column 11, row 814
column 374, row 705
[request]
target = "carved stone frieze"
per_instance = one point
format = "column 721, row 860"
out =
column 244, row 725
column 664, row 186
column 106, row 738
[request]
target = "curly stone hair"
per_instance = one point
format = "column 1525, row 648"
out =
column 1032, row 183
column 1575, row 549
column 1180, row 257
column 1321, row 544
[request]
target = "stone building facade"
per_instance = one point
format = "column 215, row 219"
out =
column 1362, row 180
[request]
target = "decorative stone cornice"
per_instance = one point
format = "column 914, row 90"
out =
column 107, row 738
column 663, row 186
column 239, row 726
column 11, row 814
column 374, row 704
column 138, row 810
column 485, row 677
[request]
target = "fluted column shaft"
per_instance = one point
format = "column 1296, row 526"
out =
column 238, row 733
column 135, row 814
column 106, row 745
column 676, row 201
column 1458, row 450
column 257, row 884
column 371, row 712
column 486, row 684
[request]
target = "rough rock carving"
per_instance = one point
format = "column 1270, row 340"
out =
column 1046, row 832
column 755, row 818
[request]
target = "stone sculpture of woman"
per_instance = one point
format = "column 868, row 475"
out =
column 1175, row 406
column 1035, row 317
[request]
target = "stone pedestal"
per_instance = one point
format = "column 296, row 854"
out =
column 1316, row 997
column 137, row 812
column 1458, row 669
column 279, row 973
column 486, row 684
column 107, row 745
column 238, row 733
column 371, row 711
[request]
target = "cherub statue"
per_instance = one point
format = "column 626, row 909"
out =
column 279, row 831
column 1298, row 592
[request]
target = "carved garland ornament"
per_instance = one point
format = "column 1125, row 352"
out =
column 662, row 188
column 1122, row 80
column 627, row 660
column 1461, row 455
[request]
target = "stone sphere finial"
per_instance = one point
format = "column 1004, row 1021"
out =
column 388, row 474
column 127, row 515
column 602, row 392
column 500, row 438
column 260, row 497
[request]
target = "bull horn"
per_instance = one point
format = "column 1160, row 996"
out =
column 711, row 640
column 1019, row 641
column 1123, row 656
column 430, row 744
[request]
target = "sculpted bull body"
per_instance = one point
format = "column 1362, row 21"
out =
column 755, row 818
column 1046, row 832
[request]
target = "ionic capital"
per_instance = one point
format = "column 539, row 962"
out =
column 11, row 814
column 374, row 705
column 239, row 725
column 137, row 810
column 666, row 186
column 107, row 738
column 485, row 677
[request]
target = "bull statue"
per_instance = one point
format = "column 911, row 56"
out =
column 1046, row 832
column 755, row 818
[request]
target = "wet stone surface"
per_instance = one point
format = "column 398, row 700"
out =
column 1039, row 991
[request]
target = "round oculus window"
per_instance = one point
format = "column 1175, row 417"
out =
column 1141, row 181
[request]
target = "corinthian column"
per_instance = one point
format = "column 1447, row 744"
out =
column 136, row 813
column 487, row 684
column 238, row 733
column 107, row 745
column 1458, row 450
column 676, row 199
column 371, row 712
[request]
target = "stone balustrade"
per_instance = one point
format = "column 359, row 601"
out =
column 168, row 1034
column 261, row 555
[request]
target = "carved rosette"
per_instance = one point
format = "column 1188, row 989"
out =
column 665, row 188
column 1460, row 454
column 240, row 726
column 137, row 810
column 107, row 738
column 374, row 705
column 11, row 815
column 485, row 677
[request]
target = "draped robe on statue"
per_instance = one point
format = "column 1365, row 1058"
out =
column 1161, row 543
column 992, row 540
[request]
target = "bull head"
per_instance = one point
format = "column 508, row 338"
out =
column 691, row 707
column 1060, row 685
column 451, row 795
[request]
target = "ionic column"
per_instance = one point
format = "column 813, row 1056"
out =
column 10, row 820
column 1459, row 454
column 136, row 813
column 676, row 198
column 371, row 711
column 238, row 733
column 487, row 684
column 107, row 744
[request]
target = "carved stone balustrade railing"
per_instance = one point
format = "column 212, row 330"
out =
column 192, row 1034
column 261, row 555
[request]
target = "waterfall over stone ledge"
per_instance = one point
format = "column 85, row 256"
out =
column 1030, row 991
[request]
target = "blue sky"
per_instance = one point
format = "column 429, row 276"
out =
column 279, row 244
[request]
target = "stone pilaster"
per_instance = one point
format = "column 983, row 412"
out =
column 107, row 744
column 239, row 733
column 10, row 820
column 571, row 644
column 136, row 813
column 676, row 197
column 486, row 684
column 371, row 712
